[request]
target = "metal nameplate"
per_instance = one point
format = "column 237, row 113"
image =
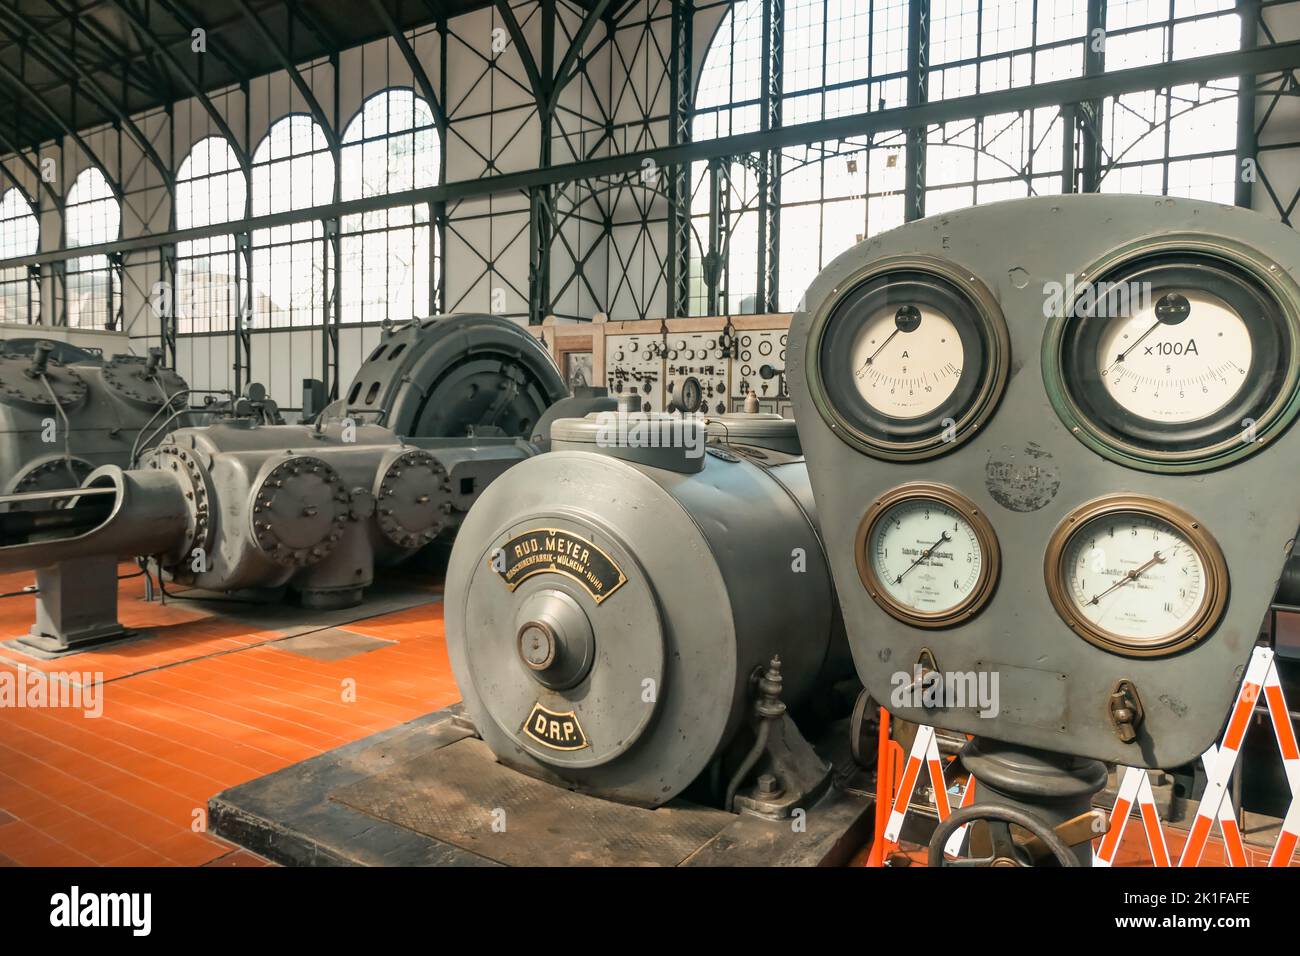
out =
column 551, row 550
column 555, row 730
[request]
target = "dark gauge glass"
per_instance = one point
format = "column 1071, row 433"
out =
column 1175, row 360
column 909, row 359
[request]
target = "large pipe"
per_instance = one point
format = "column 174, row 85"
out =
column 146, row 514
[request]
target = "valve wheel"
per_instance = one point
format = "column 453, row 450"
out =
column 1004, row 849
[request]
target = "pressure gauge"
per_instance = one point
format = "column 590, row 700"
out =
column 1136, row 575
column 1175, row 358
column 908, row 358
column 927, row 555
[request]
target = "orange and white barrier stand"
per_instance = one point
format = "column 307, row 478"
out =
column 1232, row 841
column 1134, row 788
column 925, row 751
column 1286, row 743
column 1219, row 769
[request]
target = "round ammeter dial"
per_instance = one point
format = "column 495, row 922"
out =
column 1136, row 575
column 927, row 555
column 908, row 358
column 1176, row 360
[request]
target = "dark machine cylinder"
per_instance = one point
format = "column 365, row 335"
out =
column 451, row 376
column 611, row 606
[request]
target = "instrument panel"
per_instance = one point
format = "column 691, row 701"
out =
column 637, row 368
column 1064, row 457
column 710, row 365
column 760, row 367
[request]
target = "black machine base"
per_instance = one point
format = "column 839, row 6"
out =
column 430, row 793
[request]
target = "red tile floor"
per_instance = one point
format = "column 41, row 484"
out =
column 195, row 707
column 202, row 704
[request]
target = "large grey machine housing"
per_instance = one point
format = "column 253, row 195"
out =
column 1026, row 469
column 614, row 611
column 65, row 411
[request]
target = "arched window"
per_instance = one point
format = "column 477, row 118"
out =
column 94, row 285
column 210, row 188
column 292, row 169
column 390, row 255
column 19, row 234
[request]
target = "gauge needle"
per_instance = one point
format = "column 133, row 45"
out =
column 922, row 556
column 873, row 355
column 1133, row 575
column 1122, row 355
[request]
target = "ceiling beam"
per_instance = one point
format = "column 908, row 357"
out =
column 295, row 75
column 127, row 7
column 97, row 91
column 21, row 85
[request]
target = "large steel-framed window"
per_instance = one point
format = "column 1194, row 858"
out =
column 292, row 168
column 845, row 57
column 837, row 58
column 210, row 188
column 389, row 256
column 1180, row 141
column 94, row 283
column 980, row 46
column 20, row 292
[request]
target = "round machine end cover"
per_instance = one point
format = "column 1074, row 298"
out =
column 19, row 386
column 408, row 495
column 137, row 380
column 298, row 511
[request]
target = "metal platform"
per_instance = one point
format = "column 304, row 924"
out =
column 430, row 793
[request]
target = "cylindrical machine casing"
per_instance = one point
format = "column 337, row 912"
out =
column 684, row 583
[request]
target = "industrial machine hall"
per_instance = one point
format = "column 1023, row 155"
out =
column 613, row 434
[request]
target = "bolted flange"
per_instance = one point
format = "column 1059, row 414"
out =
column 298, row 511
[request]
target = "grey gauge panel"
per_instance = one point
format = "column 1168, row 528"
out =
column 1029, row 469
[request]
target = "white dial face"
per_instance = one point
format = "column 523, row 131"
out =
column 1135, row 576
column 926, row 555
column 1179, row 371
column 907, row 360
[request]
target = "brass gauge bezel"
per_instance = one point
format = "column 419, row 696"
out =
column 990, row 366
column 990, row 552
column 1144, row 506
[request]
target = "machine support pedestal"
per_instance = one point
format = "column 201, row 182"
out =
column 77, row 605
column 1054, row 789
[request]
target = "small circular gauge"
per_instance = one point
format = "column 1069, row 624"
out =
column 1176, row 358
column 910, row 357
column 927, row 555
column 1136, row 575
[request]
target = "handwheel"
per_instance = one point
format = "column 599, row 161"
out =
column 1005, row 851
column 864, row 731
